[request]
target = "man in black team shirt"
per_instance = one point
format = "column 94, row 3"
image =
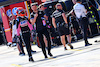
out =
column 59, row 21
column 37, row 17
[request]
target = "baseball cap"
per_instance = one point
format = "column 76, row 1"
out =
column 35, row 3
column 58, row 4
column 40, row 6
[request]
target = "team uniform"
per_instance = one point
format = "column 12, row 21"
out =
column 25, row 27
column 80, row 13
column 61, row 25
column 42, row 30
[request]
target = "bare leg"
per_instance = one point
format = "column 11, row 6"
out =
column 19, row 48
column 69, row 41
column 63, row 41
column 69, row 38
column 45, row 41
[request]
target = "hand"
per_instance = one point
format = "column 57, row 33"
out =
column 31, row 31
column 47, row 21
column 18, row 40
column 36, row 15
column 55, row 29
column 99, row 7
column 66, row 25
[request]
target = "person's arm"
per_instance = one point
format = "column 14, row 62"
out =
column 13, row 33
column 64, row 17
column 18, row 30
column 18, row 26
column 53, row 22
column 84, row 10
column 46, row 17
column 74, row 1
column 33, row 20
column 30, row 26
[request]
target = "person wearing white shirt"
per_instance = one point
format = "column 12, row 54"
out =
column 13, row 22
column 14, row 31
column 79, row 10
column 80, row 13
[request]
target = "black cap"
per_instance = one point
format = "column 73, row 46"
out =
column 78, row 0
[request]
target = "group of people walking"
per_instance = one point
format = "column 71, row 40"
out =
column 40, row 19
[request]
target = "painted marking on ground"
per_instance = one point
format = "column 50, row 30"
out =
column 75, row 50
column 51, row 58
column 16, row 65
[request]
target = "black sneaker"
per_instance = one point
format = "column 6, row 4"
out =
column 50, row 54
column 65, row 48
column 31, row 59
column 21, row 54
column 96, row 41
column 70, row 46
column 33, row 51
column 88, row 44
column 46, row 57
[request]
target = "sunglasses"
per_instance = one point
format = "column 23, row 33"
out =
column 10, row 17
column 35, row 5
column 22, row 12
column 58, row 5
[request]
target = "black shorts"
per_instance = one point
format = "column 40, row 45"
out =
column 63, row 30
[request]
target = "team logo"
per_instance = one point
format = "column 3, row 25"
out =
column 23, row 23
column 14, row 11
column 8, row 12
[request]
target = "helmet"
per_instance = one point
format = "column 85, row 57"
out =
column 20, row 11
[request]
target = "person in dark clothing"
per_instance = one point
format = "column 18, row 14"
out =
column 24, row 27
column 37, row 17
column 80, row 13
column 59, row 21
column 49, row 25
